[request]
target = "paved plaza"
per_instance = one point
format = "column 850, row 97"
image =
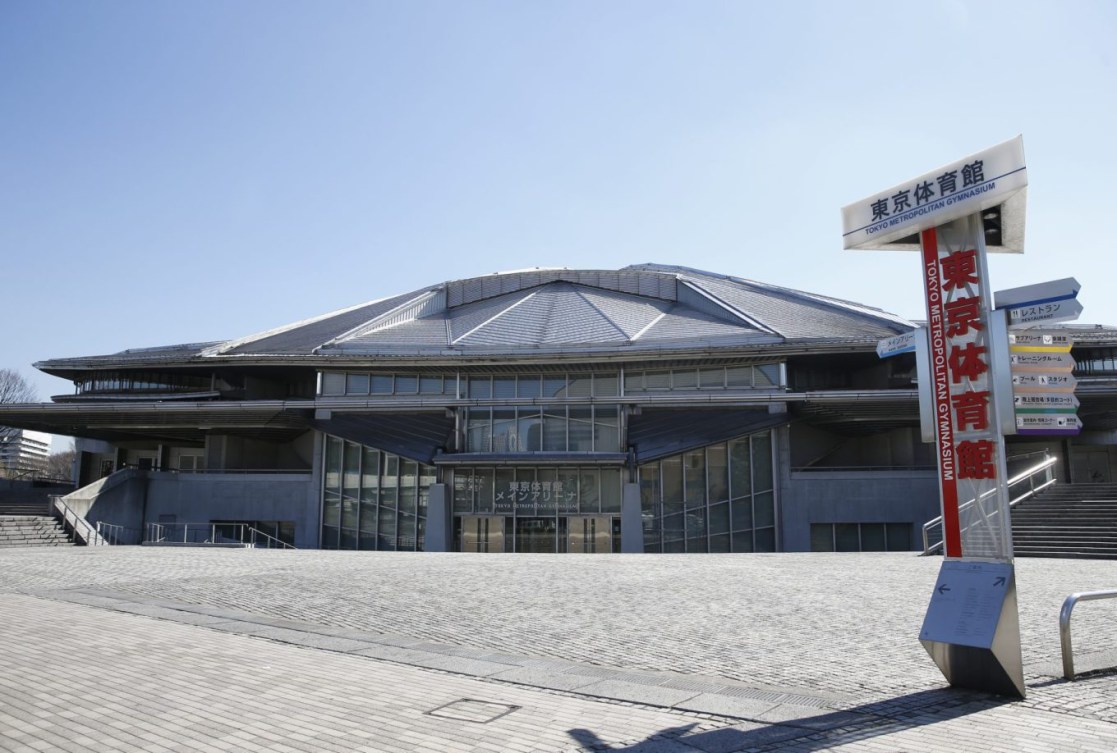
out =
column 159, row 649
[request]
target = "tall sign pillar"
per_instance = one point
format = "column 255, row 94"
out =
column 953, row 216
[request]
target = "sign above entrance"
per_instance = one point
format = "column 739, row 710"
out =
column 993, row 180
column 894, row 346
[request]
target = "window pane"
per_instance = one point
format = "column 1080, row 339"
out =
column 718, row 472
column 409, row 478
column 657, row 380
column 742, row 514
column 684, row 379
column 720, row 543
column 762, row 462
column 356, row 384
column 370, row 470
column 694, row 469
column 554, row 429
column 610, row 491
column 872, row 537
column 352, row 477
column 505, row 492
column 764, row 539
column 483, row 489
column 332, row 384
column 554, row 386
column 333, row 464
column 763, row 510
column 529, row 430
column 566, row 490
column 672, row 530
column 633, row 382
column 767, row 375
column 740, row 479
column 738, row 376
column 673, row 479
column 478, row 430
column 480, row 387
column 528, row 386
column 845, row 537
column 430, row 385
column 407, row 384
column 581, row 385
column 504, row 430
column 711, row 378
column 899, row 537
column 382, row 384
column 589, row 491
column 463, row 491
column 822, row 537
column 606, row 428
column 606, row 385
column 504, row 387
column 581, row 428
column 719, row 518
column 742, row 542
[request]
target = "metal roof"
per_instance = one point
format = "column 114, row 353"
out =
column 534, row 312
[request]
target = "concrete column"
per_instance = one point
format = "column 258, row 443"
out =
column 439, row 536
column 632, row 521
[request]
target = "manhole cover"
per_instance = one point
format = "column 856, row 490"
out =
column 472, row 710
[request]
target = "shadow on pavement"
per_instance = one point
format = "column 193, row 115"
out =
column 820, row 732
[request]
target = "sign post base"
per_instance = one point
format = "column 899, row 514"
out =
column 972, row 627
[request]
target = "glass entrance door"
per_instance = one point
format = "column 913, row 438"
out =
column 537, row 535
column 589, row 535
column 482, row 533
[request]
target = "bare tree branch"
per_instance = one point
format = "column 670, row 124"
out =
column 14, row 389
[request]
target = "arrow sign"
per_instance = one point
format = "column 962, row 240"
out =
column 1033, row 382
column 999, row 581
column 1055, row 362
column 1033, row 295
column 894, row 346
column 1057, row 402
column 1048, row 423
column 942, row 589
column 1065, row 310
column 1022, row 341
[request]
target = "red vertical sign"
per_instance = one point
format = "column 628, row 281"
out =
column 940, row 390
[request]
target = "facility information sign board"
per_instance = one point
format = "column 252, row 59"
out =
column 1042, row 386
column 966, row 603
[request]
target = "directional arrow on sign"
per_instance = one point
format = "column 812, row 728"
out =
column 943, row 589
column 1032, row 295
column 1053, row 311
column 1048, row 362
column 999, row 581
column 1034, row 382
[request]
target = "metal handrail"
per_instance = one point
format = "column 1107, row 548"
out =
column 248, row 535
column 81, row 527
column 113, row 534
column 1064, row 624
column 1043, row 467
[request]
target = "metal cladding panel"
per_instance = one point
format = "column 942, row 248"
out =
column 660, row 433
column 416, row 436
column 796, row 315
column 682, row 323
column 646, row 283
column 629, row 313
column 303, row 339
column 424, row 333
column 469, row 317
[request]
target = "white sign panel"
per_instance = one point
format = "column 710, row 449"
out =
column 894, row 346
column 978, row 182
column 966, row 603
column 1031, row 295
column 1054, row 311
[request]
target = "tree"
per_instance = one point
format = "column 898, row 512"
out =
column 60, row 465
column 13, row 389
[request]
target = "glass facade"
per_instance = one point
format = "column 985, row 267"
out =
column 720, row 498
column 547, row 428
column 372, row 499
column 566, row 509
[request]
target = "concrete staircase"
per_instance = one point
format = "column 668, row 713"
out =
column 1067, row 521
column 32, row 530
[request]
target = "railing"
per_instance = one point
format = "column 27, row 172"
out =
column 115, row 534
column 211, row 534
column 82, row 529
column 1064, row 624
column 1045, row 467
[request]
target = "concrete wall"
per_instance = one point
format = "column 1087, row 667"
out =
column 204, row 497
column 855, row 497
column 117, row 499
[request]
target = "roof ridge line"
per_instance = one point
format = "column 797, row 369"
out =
column 736, row 312
column 370, row 326
column 494, row 317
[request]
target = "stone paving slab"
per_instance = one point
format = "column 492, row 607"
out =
column 768, row 652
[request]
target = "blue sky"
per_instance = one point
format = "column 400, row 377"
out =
column 188, row 171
